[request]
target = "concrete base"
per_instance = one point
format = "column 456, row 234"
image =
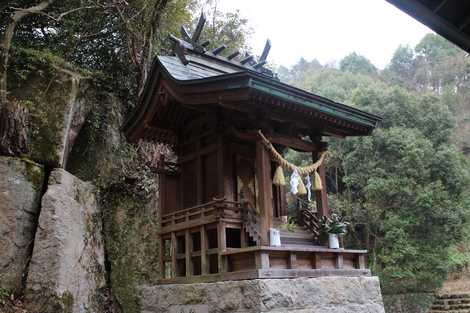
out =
column 300, row 295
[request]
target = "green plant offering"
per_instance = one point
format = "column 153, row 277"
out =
column 290, row 225
column 333, row 225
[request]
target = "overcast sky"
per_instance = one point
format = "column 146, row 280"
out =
column 327, row 30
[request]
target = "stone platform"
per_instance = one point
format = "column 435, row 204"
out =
column 300, row 295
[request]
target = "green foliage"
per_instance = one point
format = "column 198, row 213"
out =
column 405, row 188
column 4, row 295
column 290, row 225
column 356, row 63
column 402, row 65
column 229, row 29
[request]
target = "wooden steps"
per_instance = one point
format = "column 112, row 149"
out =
column 298, row 236
column 451, row 303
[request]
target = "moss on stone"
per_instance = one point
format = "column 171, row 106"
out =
column 46, row 301
column 34, row 172
column 130, row 237
column 67, row 302
column 47, row 86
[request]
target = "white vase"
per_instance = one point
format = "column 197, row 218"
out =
column 333, row 241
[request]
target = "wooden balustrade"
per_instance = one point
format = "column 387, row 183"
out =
column 195, row 246
column 202, row 214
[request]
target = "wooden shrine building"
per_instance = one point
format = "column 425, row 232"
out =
column 217, row 201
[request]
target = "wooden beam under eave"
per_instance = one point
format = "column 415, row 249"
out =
column 291, row 142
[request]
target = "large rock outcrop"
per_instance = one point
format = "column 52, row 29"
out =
column 300, row 295
column 57, row 97
column 21, row 183
column 129, row 201
column 67, row 272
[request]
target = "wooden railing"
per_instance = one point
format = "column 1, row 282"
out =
column 308, row 218
column 251, row 222
column 201, row 214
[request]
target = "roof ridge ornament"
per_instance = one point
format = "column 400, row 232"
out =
column 191, row 42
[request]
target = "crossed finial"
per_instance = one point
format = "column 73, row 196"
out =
column 180, row 45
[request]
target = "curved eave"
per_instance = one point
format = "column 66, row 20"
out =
column 253, row 81
column 285, row 92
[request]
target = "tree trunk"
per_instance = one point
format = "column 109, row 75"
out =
column 147, row 49
column 13, row 129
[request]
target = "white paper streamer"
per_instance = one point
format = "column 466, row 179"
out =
column 308, row 185
column 294, row 182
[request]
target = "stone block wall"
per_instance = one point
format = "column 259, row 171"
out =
column 300, row 295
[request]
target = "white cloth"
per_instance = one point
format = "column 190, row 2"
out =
column 294, row 182
column 308, row 185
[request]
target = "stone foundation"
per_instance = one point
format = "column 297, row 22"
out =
column 301, row 295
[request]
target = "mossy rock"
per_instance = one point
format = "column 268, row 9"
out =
column 57, row 98
column 131, row 230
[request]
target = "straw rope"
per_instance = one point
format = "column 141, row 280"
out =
column 302, row 170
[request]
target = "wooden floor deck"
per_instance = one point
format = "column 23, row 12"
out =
column 287, row 261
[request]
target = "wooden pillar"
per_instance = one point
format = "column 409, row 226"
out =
column 243, row 237
column 361, row 261
column 262, row 260
column 339, row 261
column 316, row 260
column 160, row 210
column 188, row 250
column 161, row 252
column 292, row 260
column 321, row 196
column 263, row 174
column 199, row 173
column 221, row 188
column 222, row 245
column 229, row 175
column 173, row 254
column 204, row 263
